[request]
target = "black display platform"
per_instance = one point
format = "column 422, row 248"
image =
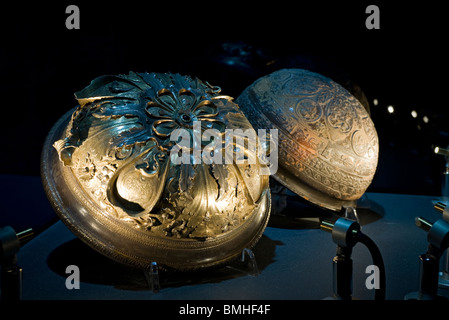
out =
column 294, row 263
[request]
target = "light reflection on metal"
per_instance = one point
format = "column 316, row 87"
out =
column 108, row 171
column 328, row 145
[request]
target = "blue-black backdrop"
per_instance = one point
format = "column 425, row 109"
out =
column 230, row 44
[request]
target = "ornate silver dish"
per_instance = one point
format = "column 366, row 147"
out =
column 328, row 145
column 131, row 172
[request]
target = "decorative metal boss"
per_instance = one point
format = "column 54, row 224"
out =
column 145, row 169
column 328, row 145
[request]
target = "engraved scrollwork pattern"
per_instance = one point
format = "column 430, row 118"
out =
column 327, row 139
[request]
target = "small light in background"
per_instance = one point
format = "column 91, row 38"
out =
column 442, row 151
column 425, row 119
column 414, row 114
column 390, row 109
column 375, row 102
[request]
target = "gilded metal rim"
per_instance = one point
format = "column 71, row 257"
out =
column 314, row 196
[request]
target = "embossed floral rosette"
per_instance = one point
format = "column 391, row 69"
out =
column 119, row 184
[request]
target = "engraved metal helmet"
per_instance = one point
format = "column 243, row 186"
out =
column 328, row 145
column 144, row 170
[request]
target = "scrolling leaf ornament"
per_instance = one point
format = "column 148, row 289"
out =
column 118, row 145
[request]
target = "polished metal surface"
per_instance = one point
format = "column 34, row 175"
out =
column 129, row 171
column 328, row 145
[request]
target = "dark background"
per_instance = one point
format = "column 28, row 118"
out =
column 403, row 64
column 231, row 44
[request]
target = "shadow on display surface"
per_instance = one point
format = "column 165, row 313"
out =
column 98, row 269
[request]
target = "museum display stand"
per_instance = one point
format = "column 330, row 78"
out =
column 11, row 272
column 346, row 234
column 247, row 265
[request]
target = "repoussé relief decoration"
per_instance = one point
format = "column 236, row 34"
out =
column 119, row 146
